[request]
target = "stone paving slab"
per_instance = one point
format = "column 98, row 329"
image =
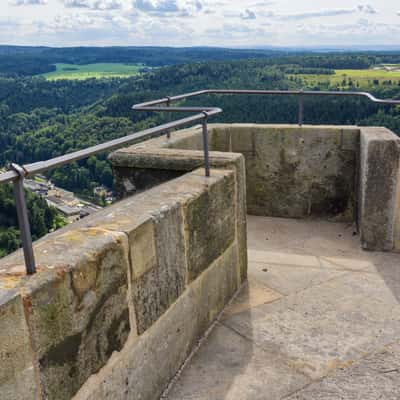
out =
column 377, row 376
column 318, row 312
column 325, row 326
column 317, row 238
column 230, row 367
column 289, row 279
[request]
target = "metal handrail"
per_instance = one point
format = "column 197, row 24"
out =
column 16, row 174
column 154, row 104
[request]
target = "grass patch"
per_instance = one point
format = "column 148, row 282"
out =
column 88, row 71
column 354, row 78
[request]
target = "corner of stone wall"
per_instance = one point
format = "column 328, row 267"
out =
column 150, row 269
column 160, row 160
column 379, row 189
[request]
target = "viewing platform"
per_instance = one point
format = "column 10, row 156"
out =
column 275, row 277
column 318, row 319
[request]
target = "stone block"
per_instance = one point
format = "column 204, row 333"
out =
column 210, row 225
column 76, row 307
column 217, row 285
column 379, row 180
column 143, row 249
column 156, row 289
column 17, row 374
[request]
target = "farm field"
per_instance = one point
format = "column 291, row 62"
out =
column 87, row 71
column 358, row 78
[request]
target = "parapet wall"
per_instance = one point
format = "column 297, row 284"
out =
column 121, row 298
column 337, row 173
column 291, row 172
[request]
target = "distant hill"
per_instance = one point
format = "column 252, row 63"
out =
column 24, row 60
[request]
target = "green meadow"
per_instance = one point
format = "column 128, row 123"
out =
column 87, row 71
column 361, row 78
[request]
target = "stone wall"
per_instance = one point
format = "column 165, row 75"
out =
column 291, row 171
column 296, row 172
column 346, row 174
column 122, row 297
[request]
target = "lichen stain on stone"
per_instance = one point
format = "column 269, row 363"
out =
column 287, row 170
column 10, row 282
column 301, row 365
column 336, row 364
column 80, row 235
column 84, row 280
column 52, row 312
column 14, row 275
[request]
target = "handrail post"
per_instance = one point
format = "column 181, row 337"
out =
column 168, row 105
column 301, row 108
column 205, row 145
column 23, row 220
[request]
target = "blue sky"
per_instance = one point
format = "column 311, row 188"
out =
column 231, row 23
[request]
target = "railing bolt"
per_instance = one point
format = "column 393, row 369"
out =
column 23, row 220
column 205, row 145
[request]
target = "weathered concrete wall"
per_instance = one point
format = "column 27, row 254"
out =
column 291, row 171
column 294, row 171
column 122, row 297
column 379, row 189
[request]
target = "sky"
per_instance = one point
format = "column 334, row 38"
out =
column 227, row 23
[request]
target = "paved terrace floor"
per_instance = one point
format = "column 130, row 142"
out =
column 318, row 319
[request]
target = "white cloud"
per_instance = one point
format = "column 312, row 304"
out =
column 366, row 9
column 27, row 2
column 76, row 3
column 94, row 4
column 200, row 22
column 157, row 6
